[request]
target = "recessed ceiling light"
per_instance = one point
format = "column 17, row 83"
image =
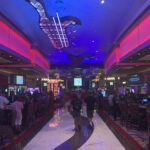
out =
column 93, row 41
column 102, row 1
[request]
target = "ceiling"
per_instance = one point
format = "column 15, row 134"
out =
column 100, row 25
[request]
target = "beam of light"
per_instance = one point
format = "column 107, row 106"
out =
column 58, row 32
column 61, row 29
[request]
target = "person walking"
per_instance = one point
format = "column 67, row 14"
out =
column 76, row 109
column 90, row 104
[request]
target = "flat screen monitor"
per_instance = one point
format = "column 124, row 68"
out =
column 44, row 84
column 77, row 81
column 63, row 87
column 19, row 79
column 134, row 79
column 6, row 90
column 132, row 90
column 145, row 100
column 93, row 85
column 103, row 93
column 33, row 89
column 111, row 83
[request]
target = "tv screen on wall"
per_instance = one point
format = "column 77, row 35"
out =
column 77, row 81
column 134, row 79
column 19, row 79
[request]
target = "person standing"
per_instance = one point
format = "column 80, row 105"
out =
column 90, row 104
column 76, row 107
column 17, row 105
column 3, row 102
column 115, row 106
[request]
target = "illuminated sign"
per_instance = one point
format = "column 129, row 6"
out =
column 53, row 81
column 109, row 78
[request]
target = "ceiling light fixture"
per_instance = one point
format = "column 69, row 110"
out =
column 102, row 1
column 57, row 31
column 61, row 28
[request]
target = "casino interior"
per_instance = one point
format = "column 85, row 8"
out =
column 74, row 75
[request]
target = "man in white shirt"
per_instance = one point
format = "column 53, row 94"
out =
column 3, row 101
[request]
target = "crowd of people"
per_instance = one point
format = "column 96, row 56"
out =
column 129, row 108
column 18, row 112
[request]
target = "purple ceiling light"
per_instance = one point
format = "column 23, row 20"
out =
column 56, row 31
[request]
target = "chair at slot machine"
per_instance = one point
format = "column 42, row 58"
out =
column 124, row 113
column 134, row 115
column 31, row 112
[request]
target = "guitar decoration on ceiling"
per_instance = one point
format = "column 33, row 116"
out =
column 55, row 28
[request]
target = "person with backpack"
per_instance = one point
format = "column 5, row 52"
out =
column 76, row 108
column 90, row 104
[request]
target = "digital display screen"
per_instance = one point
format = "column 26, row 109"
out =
column 18, row 90
column 111, row 83
column 61, row 84
column 145, row 100
column 77, row 81
column 32, row 90
column 103, row 93
column 63, row 87
column 44, row 84
column 6, row 90
column 93, row 85
column 19, row 79
column 135, row 78
column 132, row 90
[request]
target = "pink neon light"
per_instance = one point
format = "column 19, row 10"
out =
column 137, row 36
column 111, row 59
column 38, row 59
column 13, row 40
column 117, row 54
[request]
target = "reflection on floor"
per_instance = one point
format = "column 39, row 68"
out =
column 58, row 134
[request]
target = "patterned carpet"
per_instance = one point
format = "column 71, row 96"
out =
column 140, row 136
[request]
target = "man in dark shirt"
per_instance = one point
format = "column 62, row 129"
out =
column 90, row 104
column 76, row 106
